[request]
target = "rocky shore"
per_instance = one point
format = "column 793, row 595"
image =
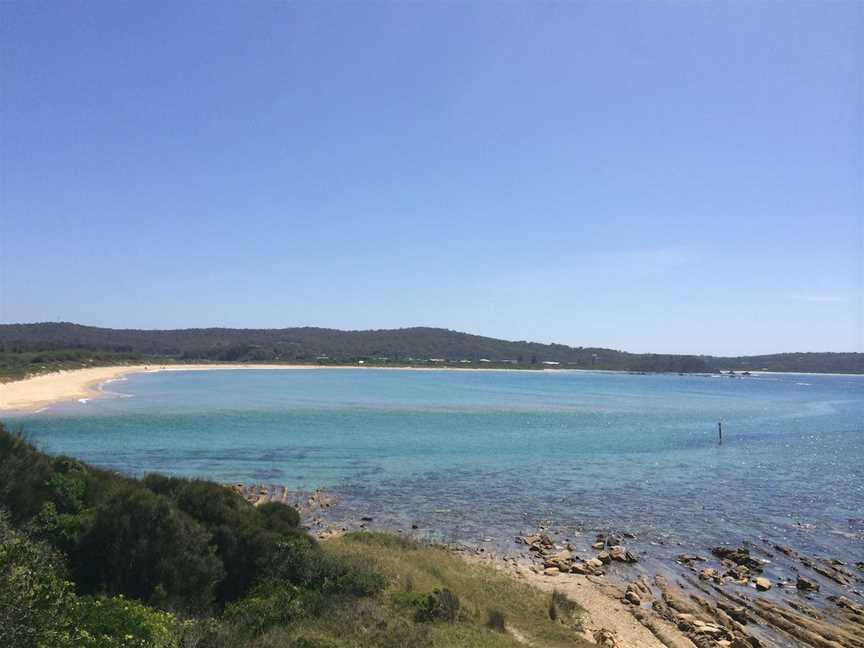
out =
column 724, row 599
column 756, row 594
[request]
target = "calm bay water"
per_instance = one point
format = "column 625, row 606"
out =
column 475, row 455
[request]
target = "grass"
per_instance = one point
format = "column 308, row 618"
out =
column 417, row 574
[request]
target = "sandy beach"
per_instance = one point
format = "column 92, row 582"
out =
column 38, row 391
column 35, row 392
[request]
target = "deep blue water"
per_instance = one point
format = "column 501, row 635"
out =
column 479, row 454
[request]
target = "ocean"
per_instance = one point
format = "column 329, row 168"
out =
column 478, row 457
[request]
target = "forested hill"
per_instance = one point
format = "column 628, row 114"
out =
column 404, row 346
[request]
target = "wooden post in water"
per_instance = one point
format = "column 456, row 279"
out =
column 720, row 432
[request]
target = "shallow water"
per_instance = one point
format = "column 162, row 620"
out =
column 483, row 455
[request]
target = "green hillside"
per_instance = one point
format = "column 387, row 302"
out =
column 48, row 342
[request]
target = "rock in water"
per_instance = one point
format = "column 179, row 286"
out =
column 619, row 553
column 762, row 584
column 806, row 584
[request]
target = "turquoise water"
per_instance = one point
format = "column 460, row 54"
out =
column 477, row 455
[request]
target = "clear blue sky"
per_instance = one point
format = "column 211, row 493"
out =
column 652, row 176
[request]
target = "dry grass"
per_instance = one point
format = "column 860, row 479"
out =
column 385, row 622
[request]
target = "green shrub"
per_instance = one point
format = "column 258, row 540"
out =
column 140, row 545
column 381, row 539
column 67, row 492
column 245, row 537
column 408, row 600
column 439, row 605
column 120, row 623
column 302, row 562
column 271, row 604
column 279, row 517
column 35, row 598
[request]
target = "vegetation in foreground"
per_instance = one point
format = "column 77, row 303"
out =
column 93, row 559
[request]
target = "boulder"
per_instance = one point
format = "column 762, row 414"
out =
column 633, row 594
column 581, row 568
column 604, row 557
column 619, row 553
column 605, row 638
column 551, row 571
column 562, row 556
column 762, row 584
column 594, row 566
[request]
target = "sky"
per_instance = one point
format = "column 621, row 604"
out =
column 650, row 176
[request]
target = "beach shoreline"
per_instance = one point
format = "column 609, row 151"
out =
column 741, row 593
column 42, row 390
column 35, row 392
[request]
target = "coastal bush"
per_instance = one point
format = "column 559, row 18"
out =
column 268, row 605
column 301, row 562
column 408, row 600
column 24, row 476
column 39, row 608
column 439, row 605
column 381, row 539
column 279, row 517
column 185, row 544
column 35, row 597
column 245, row 537
column 140, row 545
column 121, row 623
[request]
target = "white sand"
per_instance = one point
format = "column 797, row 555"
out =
column 38, row 391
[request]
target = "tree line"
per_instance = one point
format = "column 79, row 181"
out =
column 404, row 346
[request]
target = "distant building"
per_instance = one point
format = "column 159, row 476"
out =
column 551, row 363
column 485, row 360
column 437, row 360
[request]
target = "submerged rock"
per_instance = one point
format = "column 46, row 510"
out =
column 739, row 556
column 806, row 584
